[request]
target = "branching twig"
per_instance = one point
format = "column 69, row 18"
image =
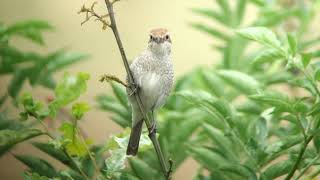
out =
column 90, row 12
column 110, row 78
column 299, row 159
column 131, row 84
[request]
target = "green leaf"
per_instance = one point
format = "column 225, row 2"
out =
column 292, row 43
column 274, row 99
column 278, row 169
column 211, row 31
column 29, row 29
column 108, row 103
column 262, row 35
column 209, row 159
column 317, row 75
column 78, row 109
column 63, row 59
column 214, row 83
column 71, row 175
column 316, row 142
column 215, row 107
column 306, row 58
column 9, row 124
column 240, row 81
column 224, row 5
column 269, row 55
column 240, row 170
column 120, row 93
column 240, row 10
column 17, row 82
column 123, row 122
column 38, row 165
column 68, row 90
column 34, row 176
column 55, row 153
column 16, row 56
column 211, row 14
column 223, row 142
column 73, row 144
column 142, row 169
column 258, row 2
column 9, row 138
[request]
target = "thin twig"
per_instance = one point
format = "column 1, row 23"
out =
column 301, row 126
column 110, row 78
column 299, row 159
column 132, row 85
column 93, row 160
column 308, row 166
column 90, row 12
column 69, row 157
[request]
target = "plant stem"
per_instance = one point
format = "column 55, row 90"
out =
column 301, row 126
column 308, row 166
column 300, row 156
column 69, row 157
column 152, row 134
column 93, row 160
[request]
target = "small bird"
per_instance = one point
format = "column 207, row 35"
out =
column 153, row 75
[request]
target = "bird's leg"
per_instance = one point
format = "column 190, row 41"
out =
column 153, row 128
column 134, row 88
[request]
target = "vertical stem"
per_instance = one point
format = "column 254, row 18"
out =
column 132, row 85
column 93, row 160
column 69, row 157
column 300, row 156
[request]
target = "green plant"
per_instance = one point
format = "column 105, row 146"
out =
column 254, row 115
column 32, row 66
column 258, row 131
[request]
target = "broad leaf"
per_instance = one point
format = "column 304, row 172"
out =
column 68, row 90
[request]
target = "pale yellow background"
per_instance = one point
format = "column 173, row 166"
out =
column 135, row 18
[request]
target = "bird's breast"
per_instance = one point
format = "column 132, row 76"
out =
column 150, row 83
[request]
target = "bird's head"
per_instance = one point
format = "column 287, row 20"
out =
column 160, row 41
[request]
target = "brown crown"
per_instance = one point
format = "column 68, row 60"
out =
column 159, row 32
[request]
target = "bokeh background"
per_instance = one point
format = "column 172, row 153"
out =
column 135, row 18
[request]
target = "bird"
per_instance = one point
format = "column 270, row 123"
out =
column 153, row 76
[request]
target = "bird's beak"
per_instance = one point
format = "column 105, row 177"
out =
column 158, row 40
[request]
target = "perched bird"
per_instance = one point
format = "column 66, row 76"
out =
column 153, row 75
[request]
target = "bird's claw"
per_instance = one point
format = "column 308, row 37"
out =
column 153, row 128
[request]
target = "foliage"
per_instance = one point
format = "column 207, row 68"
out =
column 254, row 115
column 35, row 67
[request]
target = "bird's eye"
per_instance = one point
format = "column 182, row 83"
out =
column 151, row 37
column 167, row 37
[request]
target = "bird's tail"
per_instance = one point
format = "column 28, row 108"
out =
column 134, row 139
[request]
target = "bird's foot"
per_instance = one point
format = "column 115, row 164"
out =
column 153, row 128
column 134, row 89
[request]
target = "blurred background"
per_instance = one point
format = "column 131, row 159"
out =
column 135, row 19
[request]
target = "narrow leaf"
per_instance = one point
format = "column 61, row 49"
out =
column 9, row 138
column 38, row 165
column 240, row 81
column 262, row 35
column 211, row 31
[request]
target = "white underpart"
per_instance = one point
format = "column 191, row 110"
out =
column 151, row 87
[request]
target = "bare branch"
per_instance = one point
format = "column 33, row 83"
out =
column 90, row 12
column 110, row 78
